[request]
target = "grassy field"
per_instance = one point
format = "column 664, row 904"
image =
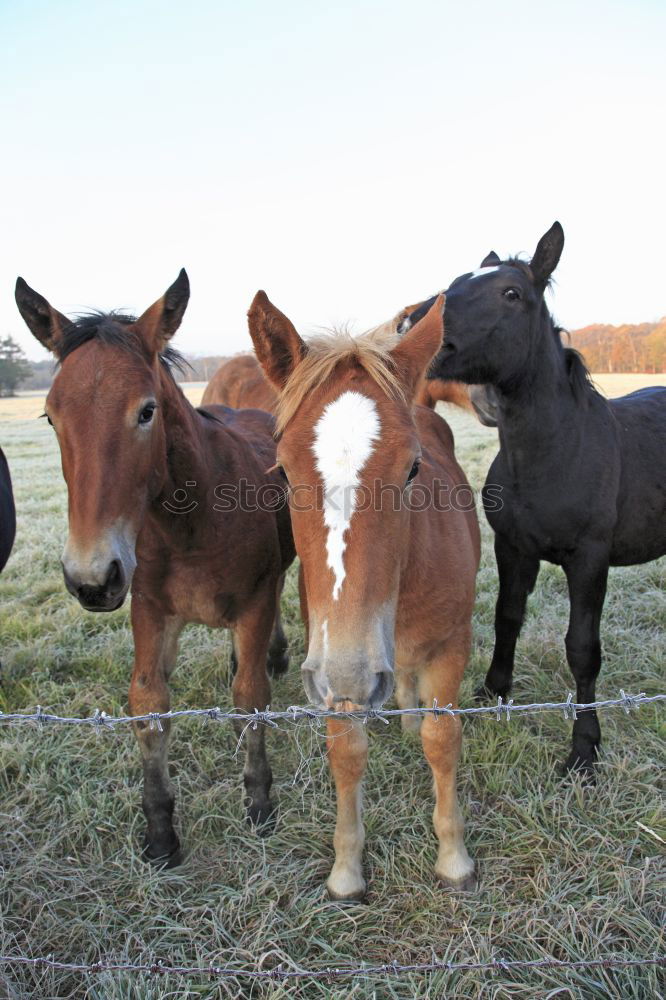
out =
column 565, row 870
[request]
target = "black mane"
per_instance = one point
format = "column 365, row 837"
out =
column 113, row 328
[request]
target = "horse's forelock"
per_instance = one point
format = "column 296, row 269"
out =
column 326, row 352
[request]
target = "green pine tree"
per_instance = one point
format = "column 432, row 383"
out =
column 14, row 366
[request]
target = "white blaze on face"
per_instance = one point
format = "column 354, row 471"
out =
column 483, row 271
column 345, row 436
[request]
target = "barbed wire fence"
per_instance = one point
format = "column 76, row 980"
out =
column 279, row 973
column 100, row 721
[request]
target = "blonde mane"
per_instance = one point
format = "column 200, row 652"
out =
column 325, row 351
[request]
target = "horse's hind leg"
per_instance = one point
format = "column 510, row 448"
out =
column 278, row 657
column 587, row 579
column 347, row 743
column 251, row 689
column 517, row 576
column 441, row 737
column 155, row 650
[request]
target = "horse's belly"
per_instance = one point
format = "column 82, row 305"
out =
column 203, row 603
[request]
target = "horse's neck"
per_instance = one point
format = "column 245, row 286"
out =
column 539, row 415
column 185, row 473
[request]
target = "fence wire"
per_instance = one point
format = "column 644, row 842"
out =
column 280, row 973
column 297, row 713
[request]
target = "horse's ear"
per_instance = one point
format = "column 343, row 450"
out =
column 413, row 354
column 44, row 322
column 161, row 320
column 492, row 260
column 276, row 342
column 547, row 254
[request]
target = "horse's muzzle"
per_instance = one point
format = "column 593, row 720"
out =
column 108, row 596
column 361, row 692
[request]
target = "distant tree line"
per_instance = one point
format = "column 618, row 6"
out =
column 633, row 347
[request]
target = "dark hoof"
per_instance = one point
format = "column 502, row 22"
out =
column 355, row 899
column 467, row 884
column 581, row 766
column 278, row 663
column 162, row 858
column 486, row 694
column 262, row 818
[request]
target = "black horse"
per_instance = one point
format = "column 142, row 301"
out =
column 583, row 478
column 7, row 512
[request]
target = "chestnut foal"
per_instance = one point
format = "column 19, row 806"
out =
column 144, row 471
column 355, row 452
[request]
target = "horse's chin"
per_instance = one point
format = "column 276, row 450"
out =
column 105, row 605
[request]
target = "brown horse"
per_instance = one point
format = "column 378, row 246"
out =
column 356, row 452
column 154, row 502
column 472, row 398
column 239, row 382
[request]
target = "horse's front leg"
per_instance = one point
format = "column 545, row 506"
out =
column 441, row 737
column 587, row 575
column 155, row 650
column 347, row 742
column 251, row 689
column 517, row 576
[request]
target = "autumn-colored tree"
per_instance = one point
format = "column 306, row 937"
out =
column 639, row 347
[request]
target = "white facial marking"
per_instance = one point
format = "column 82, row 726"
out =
column 345, row 435
column 483, row 271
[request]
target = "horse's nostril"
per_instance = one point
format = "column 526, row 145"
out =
column 114, row 579
column 382, row 690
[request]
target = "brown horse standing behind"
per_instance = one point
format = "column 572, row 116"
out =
column 154, row 501
column 239, row 382
column 385, row 588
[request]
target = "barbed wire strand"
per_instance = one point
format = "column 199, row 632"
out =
column 297, row 713
column 279, row 972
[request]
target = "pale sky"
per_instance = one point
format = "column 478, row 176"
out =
column 349, row 158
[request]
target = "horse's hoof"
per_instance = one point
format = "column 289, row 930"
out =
column 160, row 858
column 277, row 663
column 352, row 899
column 467, row 884
column 580, row 766
column 486, row 694
column 355, row 894
column 262, row 818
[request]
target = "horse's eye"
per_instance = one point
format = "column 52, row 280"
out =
column 414, row 471
column 511, row 294
column 283, row 474
column 147, row 412
column 50, row 422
